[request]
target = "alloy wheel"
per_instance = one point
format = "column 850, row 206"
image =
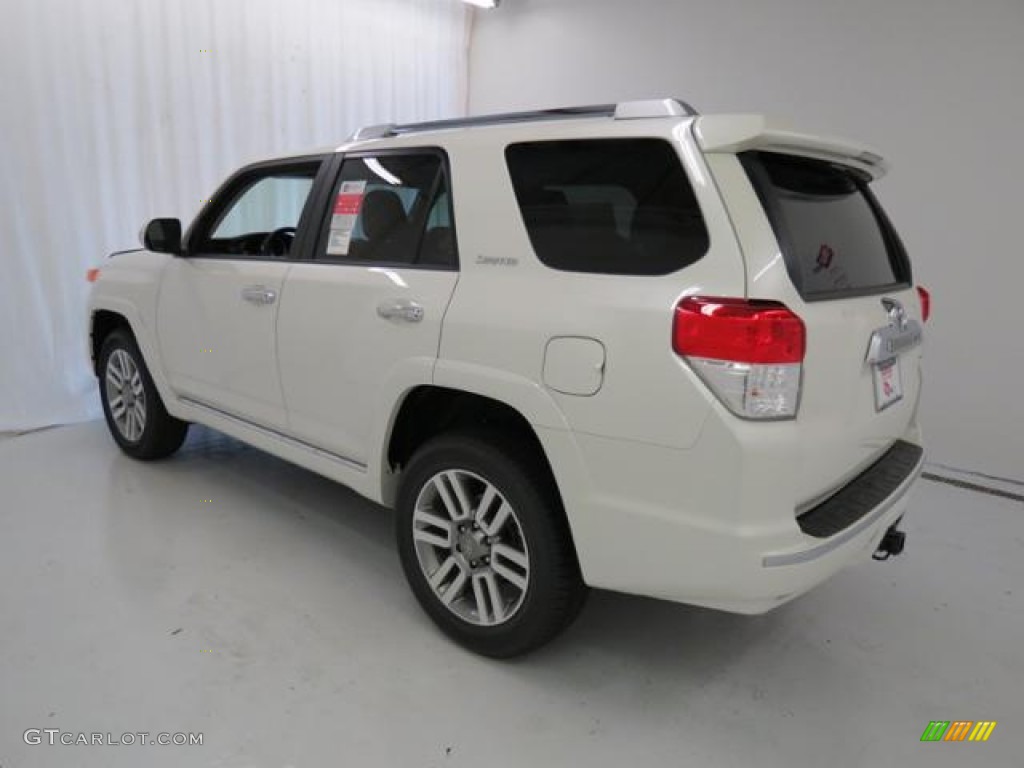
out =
column 126, row 396
column 471, row 548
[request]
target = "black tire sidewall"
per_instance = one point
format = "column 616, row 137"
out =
column 540, row 519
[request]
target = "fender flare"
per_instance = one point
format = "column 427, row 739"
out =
column 145, row 338
column 527, row 397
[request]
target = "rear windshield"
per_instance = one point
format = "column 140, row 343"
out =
column 835, row 238
column 611, row 206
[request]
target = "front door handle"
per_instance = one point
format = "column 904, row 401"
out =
column 259, row 294
column 401, row 309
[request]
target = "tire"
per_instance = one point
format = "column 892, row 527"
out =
column 141, row 427
column 483, row 521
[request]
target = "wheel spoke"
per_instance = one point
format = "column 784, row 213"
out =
column 513, row 566
column 442, row 572
column 140, row 415
column 490, row 605
column 433, row 529
column 464, row 507
column 455, row 588
column 493, row 526
column 137, row 384
column 446, row 588
column 117, row 407
column 121, row 358
column 114, row 377
column 446, row 497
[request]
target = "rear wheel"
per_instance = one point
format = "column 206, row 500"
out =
column 135, row 414
column 485, row 546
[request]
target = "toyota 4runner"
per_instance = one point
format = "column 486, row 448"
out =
column 628, row 347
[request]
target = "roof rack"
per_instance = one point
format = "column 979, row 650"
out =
column 626, row 110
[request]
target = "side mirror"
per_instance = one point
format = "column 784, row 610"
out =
column 163, row 236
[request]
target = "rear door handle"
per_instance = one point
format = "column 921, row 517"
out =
column 401, row 309
column 259, row 294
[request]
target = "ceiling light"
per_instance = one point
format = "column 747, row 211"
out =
column 484, row 3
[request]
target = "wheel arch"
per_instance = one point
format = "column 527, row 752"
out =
column 102, row 323
column 427, row 411
column 107, row 316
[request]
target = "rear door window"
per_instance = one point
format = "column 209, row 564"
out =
column 835, row 238
column 391, row 209
column 612, row 206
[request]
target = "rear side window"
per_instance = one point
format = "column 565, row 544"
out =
column 612, row 206
column 393, row 208
column 835, row 238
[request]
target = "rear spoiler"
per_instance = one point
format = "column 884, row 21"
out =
column 738, row 133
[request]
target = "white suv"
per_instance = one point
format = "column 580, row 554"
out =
column 628, row 347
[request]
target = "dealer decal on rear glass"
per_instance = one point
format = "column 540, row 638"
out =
column 828, row 273
column 343, row 219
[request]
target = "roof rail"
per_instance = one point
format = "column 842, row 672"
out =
column 626, row 110
column 374, row 132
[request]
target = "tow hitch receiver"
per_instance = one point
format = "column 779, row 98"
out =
column 891, row 544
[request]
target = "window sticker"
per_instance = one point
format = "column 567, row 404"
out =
column 343, row 219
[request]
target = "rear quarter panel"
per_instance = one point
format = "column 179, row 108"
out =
column 508, row 305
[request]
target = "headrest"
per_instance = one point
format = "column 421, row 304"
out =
column 382, row 213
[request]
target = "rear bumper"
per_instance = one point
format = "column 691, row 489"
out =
column 709, row 526
column 790, row 573
column 857, row 506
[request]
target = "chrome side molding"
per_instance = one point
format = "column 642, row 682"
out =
column 272, row 433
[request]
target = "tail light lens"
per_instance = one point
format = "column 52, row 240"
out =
column 926, row 303
column 750, row 353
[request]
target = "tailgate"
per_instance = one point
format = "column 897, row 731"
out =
column 816, row 238
column 851, row 410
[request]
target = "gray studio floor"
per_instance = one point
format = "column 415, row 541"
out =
column 228, row 593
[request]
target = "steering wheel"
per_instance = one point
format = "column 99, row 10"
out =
column 278, row 242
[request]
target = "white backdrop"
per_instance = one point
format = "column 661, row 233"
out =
column 115, row 111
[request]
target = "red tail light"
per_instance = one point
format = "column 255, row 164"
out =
column 926, row 303
column 738, row 330
column 749, row 353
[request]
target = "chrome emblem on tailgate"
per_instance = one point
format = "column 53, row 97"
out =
column 897, row 314
column 901, row 334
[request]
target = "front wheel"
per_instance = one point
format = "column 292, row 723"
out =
column 135, row 414
column 485, row 545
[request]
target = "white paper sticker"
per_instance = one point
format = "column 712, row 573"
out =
column 888, row 384
column 343, row 219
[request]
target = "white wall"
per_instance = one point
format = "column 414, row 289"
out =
column 937, row 85
column 114, row 111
